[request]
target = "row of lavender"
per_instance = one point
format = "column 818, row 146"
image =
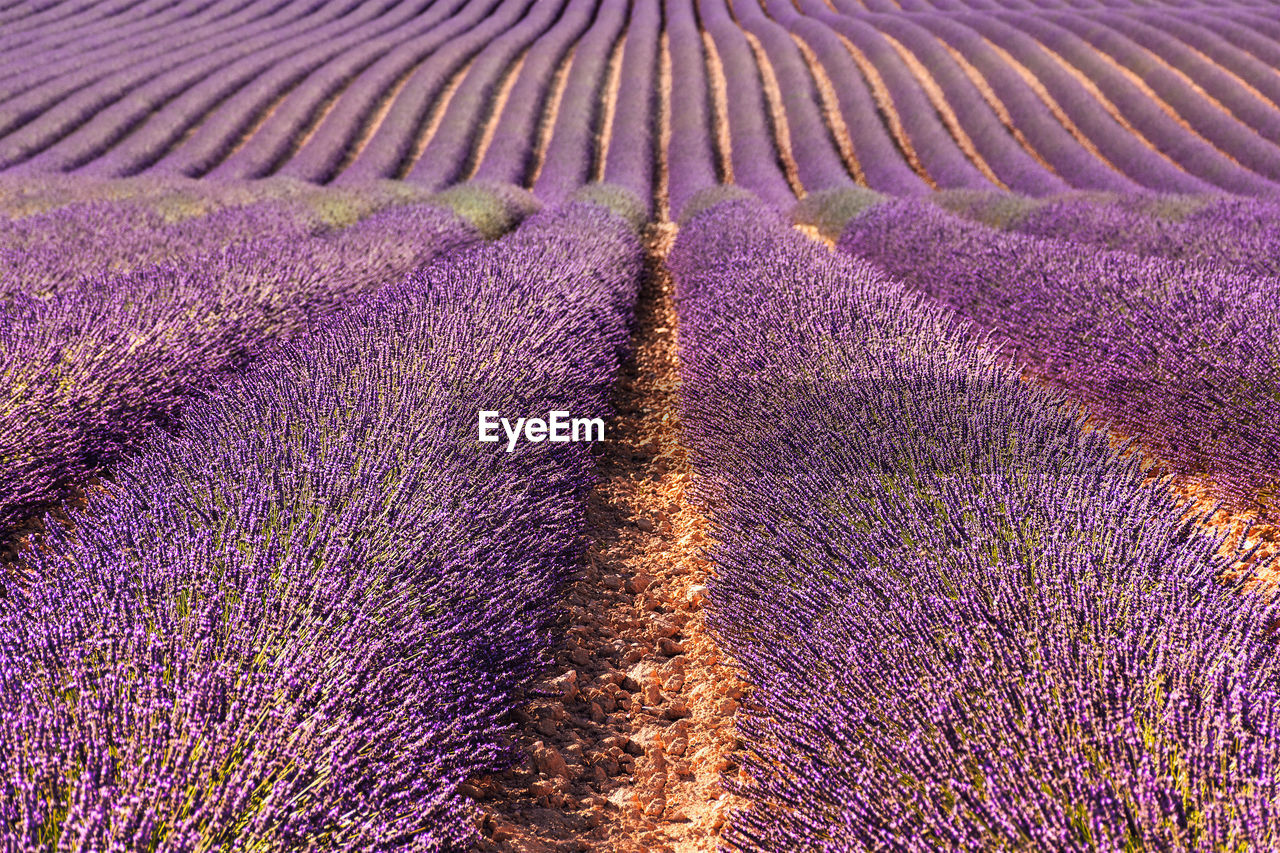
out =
column 105, row 334
column 302, row 621
column 550, row 94
column 969, row 624
column 90, row 359
column 1173, row 340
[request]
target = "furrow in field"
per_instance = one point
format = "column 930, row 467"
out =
column 1025, row 104
column 1133, row 156
column 316, row 95
column 101, row 51
column 662, row 161
column 547, row 121
column 1216, row 83
column 455, row 44
column 569, row 158
column 1051, row 103
column 777, row 115
column 365, row 97
column 831, row 115
column 511, row 153
column 1246, row 71
column 943, row 108
column 641, row 704
column 367, row 129
column 717, row 87
column 1136, row 107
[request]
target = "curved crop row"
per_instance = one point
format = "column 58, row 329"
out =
column 818, row 163
column 1031, row 108
column 85, row 372
column 941, row 158
column 1184, row 147
column 887, row 167
column 1182, row 355
column 1211, row 121
column 1013, row 165
column 1124, row 150
column 570, row 151
column 346, row 128
column 57, row 22
column 511, row 156
column 691, row 159
column 450, row 147
column 1242, row 97
column 969, row 625
column 630, row 158
column 302, row 624
column 91, row 46
column 754, row 144
column 390, row 149
column 785, row 97
column 289, row 121
column 242, row 111
column 172, row 79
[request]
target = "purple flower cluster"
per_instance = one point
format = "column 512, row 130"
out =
column 87, row 370
column 969, row 624
column 1233, row 234
column 42, row 254
column 299, row 624
column 1184, row 356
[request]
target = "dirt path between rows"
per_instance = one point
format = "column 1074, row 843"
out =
column 625, row 748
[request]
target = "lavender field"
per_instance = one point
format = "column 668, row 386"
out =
column 639, row 425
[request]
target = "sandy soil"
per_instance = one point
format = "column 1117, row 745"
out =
column 624, row 742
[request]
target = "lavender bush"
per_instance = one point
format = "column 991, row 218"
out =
column 84, row 372
column 42, row 255
column 299, row 625
column 1181, row 355
column 969, row 625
